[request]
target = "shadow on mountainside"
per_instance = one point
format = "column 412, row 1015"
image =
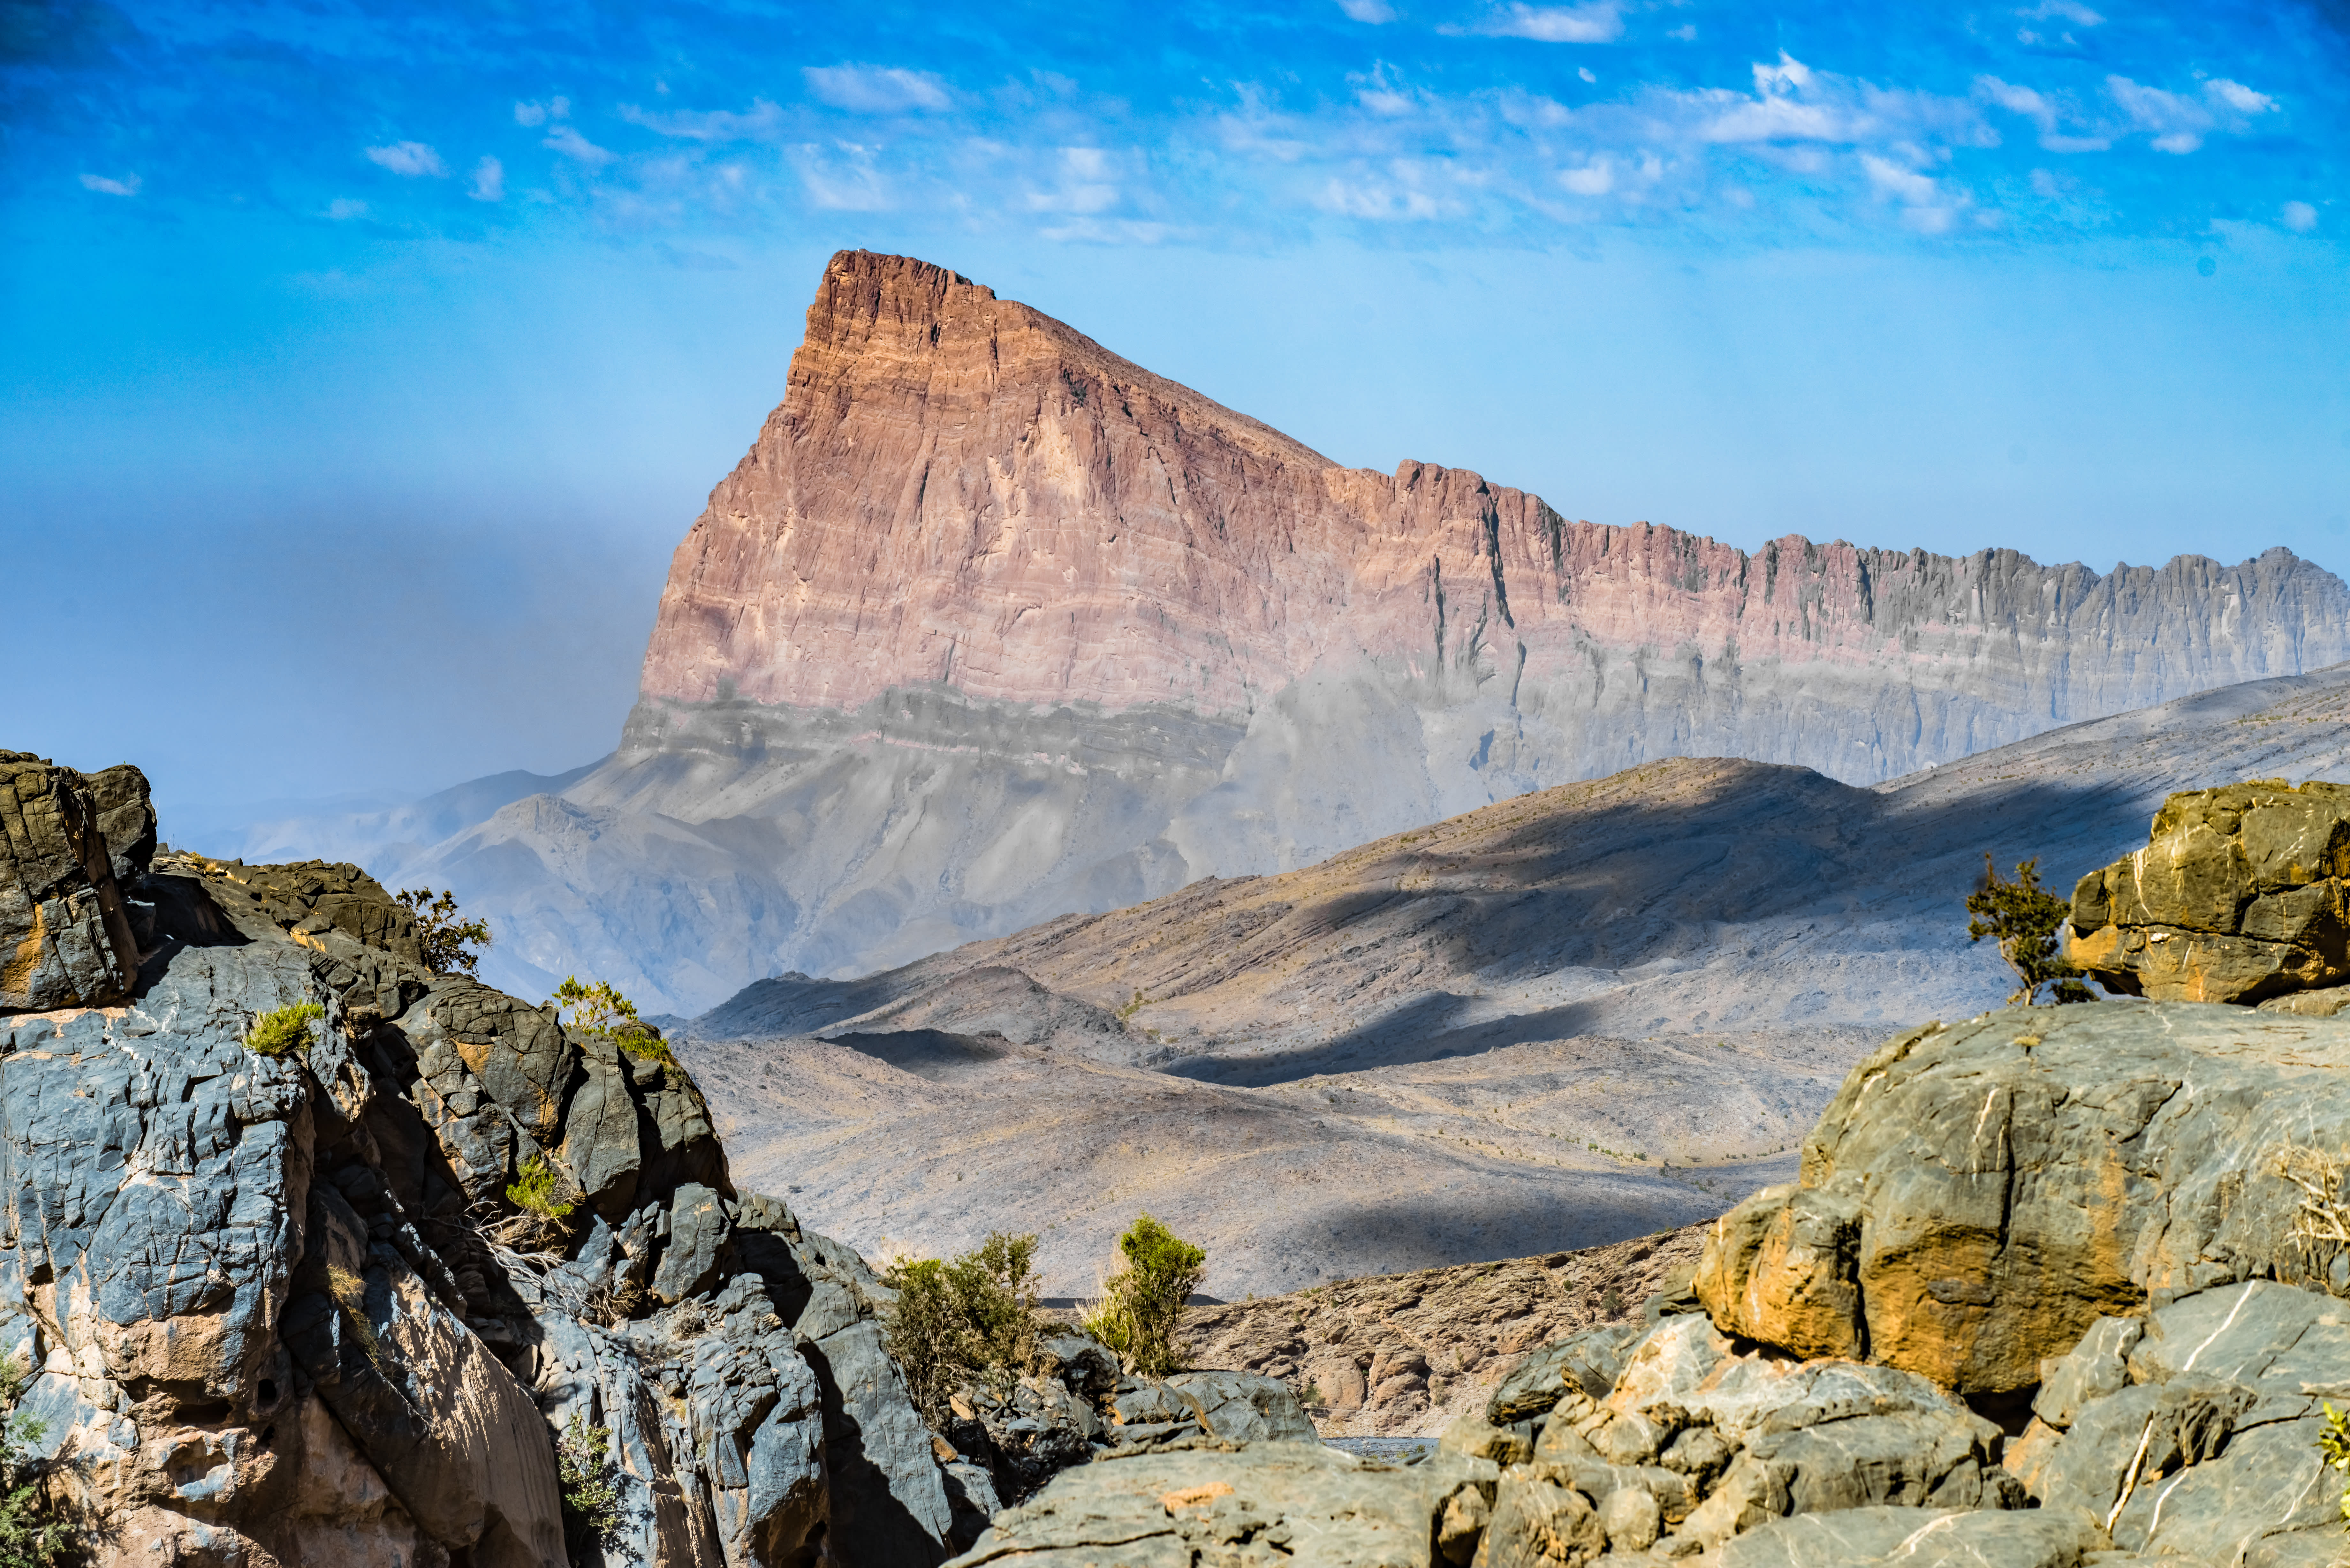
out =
column 1420, row 1030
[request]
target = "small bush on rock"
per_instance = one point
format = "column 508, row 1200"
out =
column 968, row 1319
column 448, row 940
column 285, row 1029
column 601, row 1009
column 2334, row 1444
column 37, row 1529
column 538, row 1192
column 1142, row 1300
column 2026, row 922
column 592, row 1496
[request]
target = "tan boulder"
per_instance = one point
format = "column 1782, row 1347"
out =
column 1781, row 1266
column 2237, row 895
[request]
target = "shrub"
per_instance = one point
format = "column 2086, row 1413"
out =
column 2334, row 1443
column 971, row 1318
column 592, row 1496
column 448, row 940
column 2024, row 922
column 1143, row 1300
column 538, row 1190
column 283, row 1029
column 601, row 1009
column 37, row 1528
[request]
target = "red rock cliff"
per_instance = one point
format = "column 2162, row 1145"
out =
column 960, row 489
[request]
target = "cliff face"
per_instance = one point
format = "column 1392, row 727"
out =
column 991, row 626
column 960, row 490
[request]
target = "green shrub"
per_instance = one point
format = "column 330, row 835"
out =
column 971, row 1318
column 447, row 939
column 283, row 1029
column 2025, row 923
column 1142, row 1301
column 539, row 1191
column 598, row 1009
column 2334, row 1444
column 37, row 1528
column 592, row 1496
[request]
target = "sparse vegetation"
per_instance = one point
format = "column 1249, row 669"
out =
column 2334, row 1443
column 601, row 1009
column 349, row 1292
column 38, row 1528
column 2024, row 922
column 1134, row 1005
column 285, row 1029
column 592, row 1496
column 449, row 939
column 538, row 1190
column 1141, row 1302
column 2321, row 1223
column 971, row 1318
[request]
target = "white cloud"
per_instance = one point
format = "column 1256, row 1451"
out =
column 489, row 181
column 876, row 90
column 2299, row 216
column 758, row 123
column 2021, row 101
column 2069, row 10
column 571, row 144
column 413, row 159
column 2178, row 123
column 1686, row 33
column 843, row 178
column 1599, row 22
column 344, row 207
column 2238, row 97
column 1584, row 72
column 1595, row 179
column 126, row 186
column 535, row 113
column 1790, row 75
column 1374, row 12
column 1088, row 183
column 1892, row 180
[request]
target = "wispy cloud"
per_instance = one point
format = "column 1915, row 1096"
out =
column 1600, row 22
column 567, row 140
column 1088, row 183
column 413, row 159
column 877, row 90
column 759, row 122
column 489, row 181
column 2298, row 216
column 126, row 186
column 342, row 209
column 1374, row 12
column 537, row 114
column 2179, row 123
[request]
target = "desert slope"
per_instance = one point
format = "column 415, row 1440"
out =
column 1588, row 1013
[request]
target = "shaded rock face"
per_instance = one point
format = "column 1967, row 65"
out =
column 285, row 1309
column 64, row 934
column 2237, row 897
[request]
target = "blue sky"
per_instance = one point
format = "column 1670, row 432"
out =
column 363, row 364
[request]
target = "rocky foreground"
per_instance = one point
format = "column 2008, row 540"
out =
column 2054, row 1286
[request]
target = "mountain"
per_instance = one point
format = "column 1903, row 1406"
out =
column 1586, row 1014
column 991, row 626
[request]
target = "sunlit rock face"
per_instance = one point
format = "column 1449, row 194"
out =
column 991, row 624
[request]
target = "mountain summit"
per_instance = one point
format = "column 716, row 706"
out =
column 991, row 624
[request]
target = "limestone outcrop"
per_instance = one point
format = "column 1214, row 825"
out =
column 2238, row 896
column 288, row 1308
